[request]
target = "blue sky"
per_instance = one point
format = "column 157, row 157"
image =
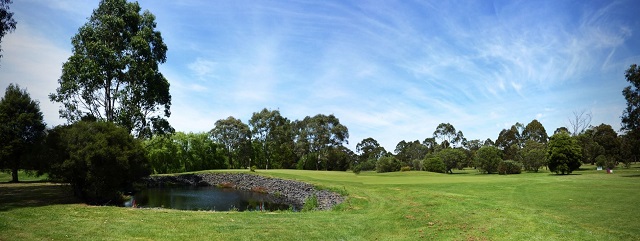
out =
column 391, row 70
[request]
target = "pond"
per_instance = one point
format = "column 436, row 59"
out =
column 205, row 198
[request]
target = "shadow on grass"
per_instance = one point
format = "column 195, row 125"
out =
column 34, row 194
column 631, row 175
column 561, row 175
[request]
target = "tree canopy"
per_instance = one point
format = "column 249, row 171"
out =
column 21, row 129
column 535, row 131
column 488, row 158
column 99, row 160
column 563, row 153
column 7, row 23
column 113, row 73
column 272, row 133
column 631, row 93
column 236, row 138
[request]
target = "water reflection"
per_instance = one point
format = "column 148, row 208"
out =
column 205, row 198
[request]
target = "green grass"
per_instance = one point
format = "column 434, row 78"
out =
column 589, row 205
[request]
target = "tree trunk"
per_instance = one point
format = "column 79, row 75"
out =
column 14, row 175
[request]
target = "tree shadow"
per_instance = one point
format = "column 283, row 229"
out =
column 34, row 194
column 631, row 175
column 458, row 173
column 562, row 175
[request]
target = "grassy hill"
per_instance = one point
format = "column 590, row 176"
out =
column 588, row 205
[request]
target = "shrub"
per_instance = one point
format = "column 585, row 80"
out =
column 509, row 167
column 564, row 153
column 405, row 169
column 311, row 203
column 605, row 161
column 357, row 168
column 368, row 165
column 388, row 164
column 451, row 158
column 253, row 168
column 434, row 164
column 488, row 158
column 99, row 160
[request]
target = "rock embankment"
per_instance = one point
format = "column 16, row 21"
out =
column 282, row 191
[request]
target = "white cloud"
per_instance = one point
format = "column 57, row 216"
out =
column 203, row 69
column 33, row 62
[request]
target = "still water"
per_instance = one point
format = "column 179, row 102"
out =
column 205, row 198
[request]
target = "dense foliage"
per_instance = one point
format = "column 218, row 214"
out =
column 564, row 153
column 7, row 22
column 451, row 158
column 99, row 160
column 113, row 73
column 21, row 130
column 534, row 155
column 388, row 164
column 434, row 164
column 184, row 152
column 488, row 158
column 509, row 167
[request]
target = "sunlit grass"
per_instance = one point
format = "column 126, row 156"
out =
column 589, row 205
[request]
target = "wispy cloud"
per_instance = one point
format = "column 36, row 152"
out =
column 389, row 70
column 33, row 62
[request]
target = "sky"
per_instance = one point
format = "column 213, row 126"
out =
column 390, row 70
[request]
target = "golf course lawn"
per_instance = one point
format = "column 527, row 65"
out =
column 587, row 205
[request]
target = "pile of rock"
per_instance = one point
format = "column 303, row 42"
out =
column 282, row 191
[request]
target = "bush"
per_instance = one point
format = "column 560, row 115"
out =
column 509, row 167
column 253, row 168
column 356, row 168
column 311, row 203
column 368, row 165
column 405, row 169
column 388, row 164
column 564, row 154
column 488, row 158
column 451, row 158
column 434, row 164
column 605, row 161
column 99, row 160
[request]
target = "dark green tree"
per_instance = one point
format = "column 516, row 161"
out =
column 561, row 129
column 99, row 159
column 590, row 148
column 113, row 73
column 448, row 135
column 509, row 141
column 316, row 136
column 369, row 152
column 631, row 114
column 274, row 138
column 235, row 136
column 607, row 138
column 434, row 164
column 563, row 153
column 627, row 151
column 451, row 157
column 388, row 164
column 21, row 130
column 535, row 131
column 7, row 23
column 534, row 155
column 407, row 152
column 488, row 158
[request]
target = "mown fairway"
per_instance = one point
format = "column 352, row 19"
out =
column 589, row 205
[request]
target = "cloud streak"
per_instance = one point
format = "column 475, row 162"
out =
column 389, row 70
